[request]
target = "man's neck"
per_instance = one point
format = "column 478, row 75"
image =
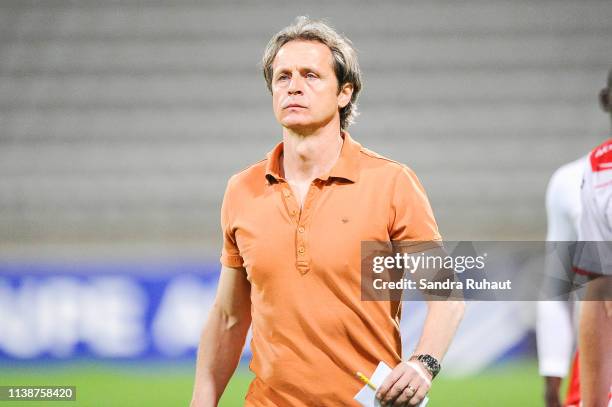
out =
column 305, row 157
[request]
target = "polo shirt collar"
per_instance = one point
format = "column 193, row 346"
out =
column 273, row 164
column 347, row 166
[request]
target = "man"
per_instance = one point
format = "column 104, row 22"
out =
column 595, row 261
column 292, row 228
column 555, row 325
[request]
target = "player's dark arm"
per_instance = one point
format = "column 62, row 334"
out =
column 552, row 386
column 223, row 337
column 594, row 343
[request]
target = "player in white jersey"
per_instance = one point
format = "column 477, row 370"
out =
column 594, row 259
column 555, row 328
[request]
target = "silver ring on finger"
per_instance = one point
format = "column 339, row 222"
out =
column 412, row 390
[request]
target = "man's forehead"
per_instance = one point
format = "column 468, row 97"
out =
column 302, row 53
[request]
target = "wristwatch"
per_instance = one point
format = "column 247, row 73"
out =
column 429, row 362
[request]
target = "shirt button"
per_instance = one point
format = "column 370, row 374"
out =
column 301, row 229
column 300, row 249
column 293, row 212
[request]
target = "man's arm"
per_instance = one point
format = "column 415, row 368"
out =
column 409, row 382
column 554, row 329
column 411, row 227
column 223, row 337
column 595, row 345
column 442, row 321
column 554, row 334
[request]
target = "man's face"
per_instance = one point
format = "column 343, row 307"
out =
column 304, row 86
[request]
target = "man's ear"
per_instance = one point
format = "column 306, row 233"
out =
column 345, row 94
column 604, row 100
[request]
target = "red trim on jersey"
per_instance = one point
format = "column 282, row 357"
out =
column 605, row 184
column 601, row 157
column 584, row 272
column 573, row 388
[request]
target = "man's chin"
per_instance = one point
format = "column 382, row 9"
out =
column 298, row 126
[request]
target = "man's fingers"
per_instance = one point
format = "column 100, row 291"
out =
column 404, row 386
column 398, row 389
column 389, row 381
column 419, row 395
column 407, row 393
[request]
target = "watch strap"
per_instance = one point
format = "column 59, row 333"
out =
column 428, row 362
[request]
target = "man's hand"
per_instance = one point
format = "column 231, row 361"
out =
column 406, row 385
column 553, row 384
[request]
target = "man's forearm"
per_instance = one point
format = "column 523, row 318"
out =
column 552, row 397
column 595, row 350
column 408, row 382
column 442, row 320
column 218, row 355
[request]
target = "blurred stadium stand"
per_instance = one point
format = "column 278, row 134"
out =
column 120, row 122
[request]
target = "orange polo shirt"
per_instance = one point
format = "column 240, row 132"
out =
column 311, row 331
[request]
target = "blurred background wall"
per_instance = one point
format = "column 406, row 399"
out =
column 120, row 122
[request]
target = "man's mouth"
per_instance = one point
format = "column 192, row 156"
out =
column 294, row 105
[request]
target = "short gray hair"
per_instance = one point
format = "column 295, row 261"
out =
column 345, row 62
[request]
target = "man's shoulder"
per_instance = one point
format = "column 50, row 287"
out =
column 598, row 172
column 571, row 168
column 254, row 173
column 568, row 175
column 563, row 206
column 601, row 157
column 373, row 159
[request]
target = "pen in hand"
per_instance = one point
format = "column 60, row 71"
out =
column 365, row 379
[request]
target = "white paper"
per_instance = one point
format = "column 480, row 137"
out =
column 367, row 396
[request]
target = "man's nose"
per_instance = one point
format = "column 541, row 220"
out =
column 295, row 85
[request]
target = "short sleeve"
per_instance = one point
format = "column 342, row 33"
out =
column 230, row 253
column 411, row 217
column 560, row 226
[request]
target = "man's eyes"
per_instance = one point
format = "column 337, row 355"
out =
column 310, row 75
